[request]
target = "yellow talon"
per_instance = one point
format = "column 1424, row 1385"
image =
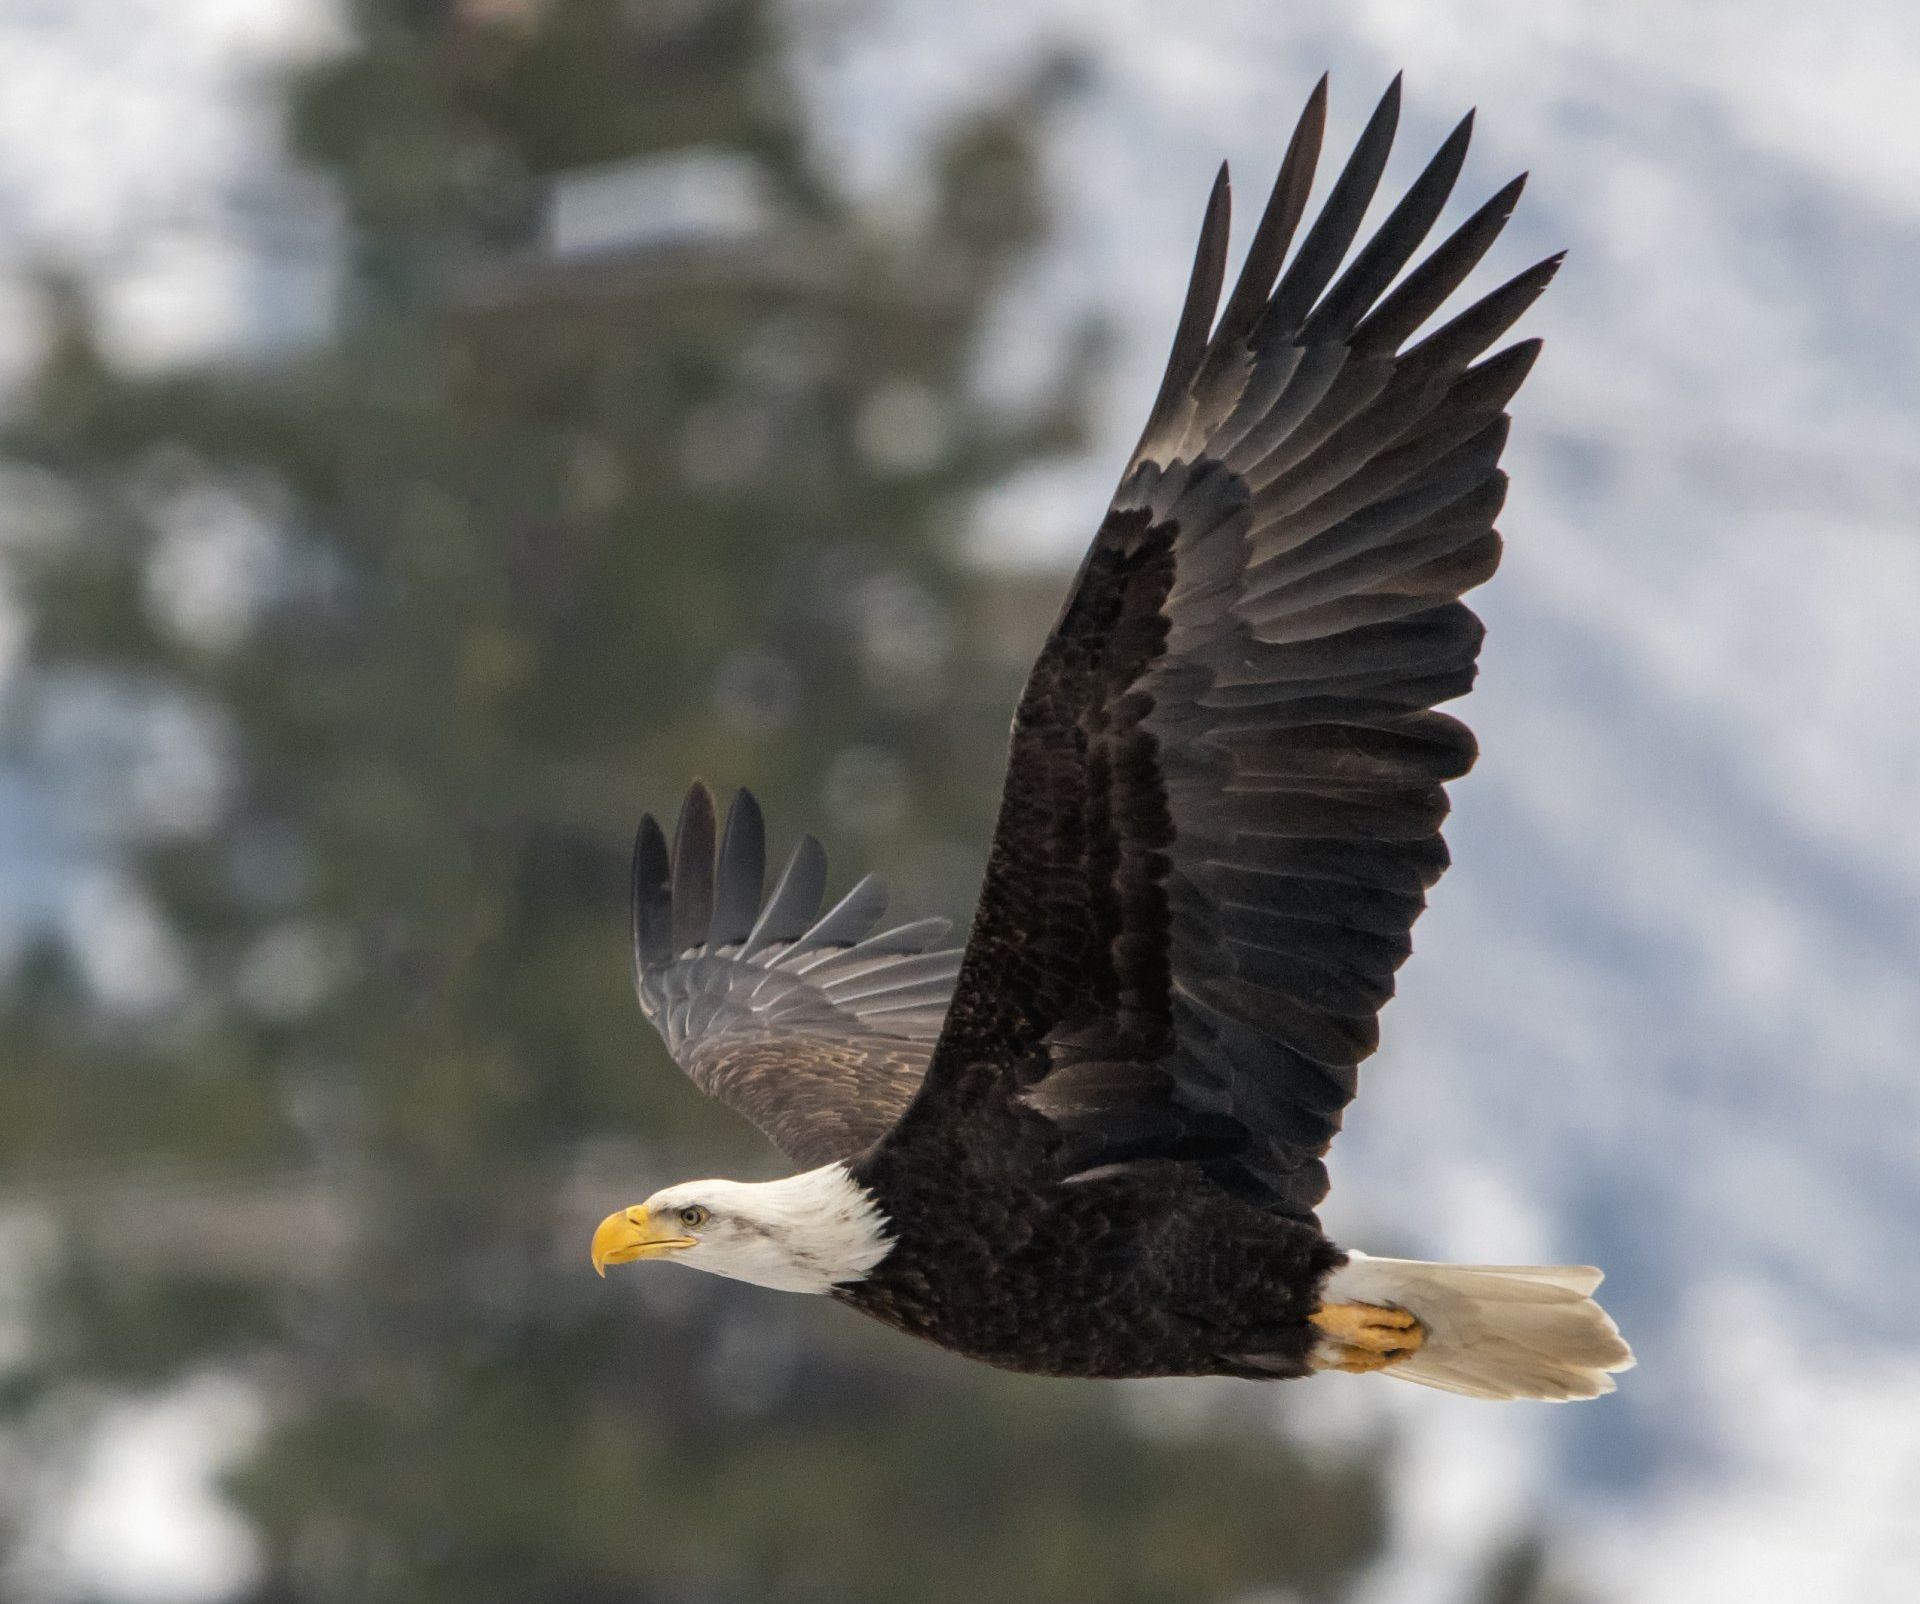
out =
column 1365, row 1336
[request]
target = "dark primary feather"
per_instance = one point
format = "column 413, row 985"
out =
column 813, row 1025
column 1225, row 790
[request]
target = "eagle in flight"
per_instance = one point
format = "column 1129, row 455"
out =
column 1090, row 1142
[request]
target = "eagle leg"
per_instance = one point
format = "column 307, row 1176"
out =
column 1358, row 1337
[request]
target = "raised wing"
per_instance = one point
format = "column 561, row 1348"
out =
column 810, row 1024
column 1224, row 797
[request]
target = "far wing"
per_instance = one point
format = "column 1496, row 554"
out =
column 811, row 1024
column 1224, row 796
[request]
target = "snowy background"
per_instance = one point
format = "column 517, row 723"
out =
column 1681, row 939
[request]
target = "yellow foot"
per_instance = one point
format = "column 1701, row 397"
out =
column 1358, row 1337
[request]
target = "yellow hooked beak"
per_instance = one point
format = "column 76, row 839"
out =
column 630, row 1235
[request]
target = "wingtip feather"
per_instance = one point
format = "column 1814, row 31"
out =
column 1190, row 335
column 693, row 863
column 740, row 878
column 795, row 902
column 651, row 904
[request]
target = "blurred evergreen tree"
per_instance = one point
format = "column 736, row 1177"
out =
column 406, row 628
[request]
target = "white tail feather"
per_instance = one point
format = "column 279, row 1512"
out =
column 1494, row 1330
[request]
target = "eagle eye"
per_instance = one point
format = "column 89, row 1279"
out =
column 693, row 1216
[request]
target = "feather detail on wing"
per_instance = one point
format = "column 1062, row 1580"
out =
column 1224, row 795
column 811, row 1023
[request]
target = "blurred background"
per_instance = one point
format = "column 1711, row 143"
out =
column 435, row 429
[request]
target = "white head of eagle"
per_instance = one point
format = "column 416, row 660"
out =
column 806, row 1233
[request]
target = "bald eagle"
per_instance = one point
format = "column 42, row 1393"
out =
column 1090, row 1142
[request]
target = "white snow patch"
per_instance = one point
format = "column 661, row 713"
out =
column 145, row 1524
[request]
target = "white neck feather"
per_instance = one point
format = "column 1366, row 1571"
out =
column 806, row 1233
